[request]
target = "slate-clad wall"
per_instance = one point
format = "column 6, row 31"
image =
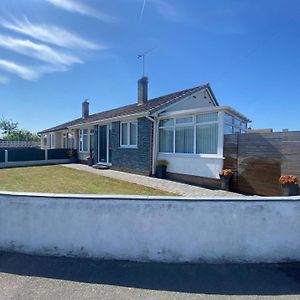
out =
column 137, row 160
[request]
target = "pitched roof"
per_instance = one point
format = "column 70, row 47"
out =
column 150, row 106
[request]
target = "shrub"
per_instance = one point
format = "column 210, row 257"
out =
column 162, row 162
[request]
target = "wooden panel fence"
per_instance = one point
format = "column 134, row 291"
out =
column 258, row 160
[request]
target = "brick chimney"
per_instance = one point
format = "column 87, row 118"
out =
column 142, row 90
column 85, row 109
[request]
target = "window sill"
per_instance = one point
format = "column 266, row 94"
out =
column 128, row 147
column 191, row 155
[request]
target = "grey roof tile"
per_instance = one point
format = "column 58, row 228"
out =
column 149, row 106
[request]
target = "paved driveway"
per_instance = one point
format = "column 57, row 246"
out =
column 178, row 188
column 28, row 277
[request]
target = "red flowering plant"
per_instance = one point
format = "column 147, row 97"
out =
column 226, row 172
column 288, row 179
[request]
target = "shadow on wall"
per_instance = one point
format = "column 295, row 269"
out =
column 223, row 279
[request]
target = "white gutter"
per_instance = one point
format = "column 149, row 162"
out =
column 105, row 121
column 205, row 110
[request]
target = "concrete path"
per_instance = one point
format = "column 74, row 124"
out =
column 35, row 277
column 161, row 184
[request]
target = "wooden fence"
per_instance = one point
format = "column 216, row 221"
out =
column 258, row 160
column 19, row 144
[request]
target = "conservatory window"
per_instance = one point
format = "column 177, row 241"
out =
column 189, row 135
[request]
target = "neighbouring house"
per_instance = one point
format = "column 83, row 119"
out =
column 186, row 128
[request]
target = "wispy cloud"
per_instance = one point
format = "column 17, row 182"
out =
column 4, row 80
column 20, row 70
column 166, row 9
column 50, row 34
column 83, row 9
column 143, row 10
column 39, row 51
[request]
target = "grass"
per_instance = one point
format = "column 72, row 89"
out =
column 58, row 179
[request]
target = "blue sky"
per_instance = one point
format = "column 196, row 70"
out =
column 56, row 53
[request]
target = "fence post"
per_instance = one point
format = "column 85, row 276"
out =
column 46, row 154
column 5, row 156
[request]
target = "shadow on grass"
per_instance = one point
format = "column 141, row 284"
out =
column 221, row 279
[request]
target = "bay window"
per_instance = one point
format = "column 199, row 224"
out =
column 128, row 134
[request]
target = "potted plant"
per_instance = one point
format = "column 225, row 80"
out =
column 226, row 177
column 72, row 154
column 161, row 168
column 289, row 184
column 91, row 159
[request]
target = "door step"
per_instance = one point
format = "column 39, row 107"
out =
column 101, row 166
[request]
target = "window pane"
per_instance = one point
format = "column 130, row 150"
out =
column 85, row 143
column 228, row 119
column 133, row 132
column 92, row 141
column 184, row 140
column 236, row 130
column 237, row 122
column 184, row 120
column 207, row 139
column 166, row 137
column 227, row 129
column 124, row 134
column 167, row 122
column 207, row 118
column 244, row 126
column 85, row 131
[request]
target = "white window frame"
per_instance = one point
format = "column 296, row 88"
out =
column 127, row 145
column 52, row 140
column 193, row 124
column 88, row 134
column 233, row 125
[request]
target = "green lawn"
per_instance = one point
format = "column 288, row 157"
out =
column 58, row 179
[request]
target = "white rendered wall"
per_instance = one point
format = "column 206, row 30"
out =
column 193, row 164
column 155, row 229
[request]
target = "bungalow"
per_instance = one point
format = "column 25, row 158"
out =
column 186, row 128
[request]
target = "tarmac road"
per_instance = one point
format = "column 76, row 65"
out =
column 28, row 277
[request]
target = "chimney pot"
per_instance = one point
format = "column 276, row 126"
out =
column 142, row 90
column 85, row 109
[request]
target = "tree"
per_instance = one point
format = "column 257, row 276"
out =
column 8, row 126
column 11, row 132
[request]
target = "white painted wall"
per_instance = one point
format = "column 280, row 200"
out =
column 193, row 164
column 149, row 228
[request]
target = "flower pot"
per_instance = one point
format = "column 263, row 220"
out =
column 289, row 189
column 225, row 182
column 161, row 171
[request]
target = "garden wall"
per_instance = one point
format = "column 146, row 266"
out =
column 259, row 159
column 152, row 228
column 19, row 157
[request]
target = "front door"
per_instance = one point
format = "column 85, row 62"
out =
column 102, row 144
